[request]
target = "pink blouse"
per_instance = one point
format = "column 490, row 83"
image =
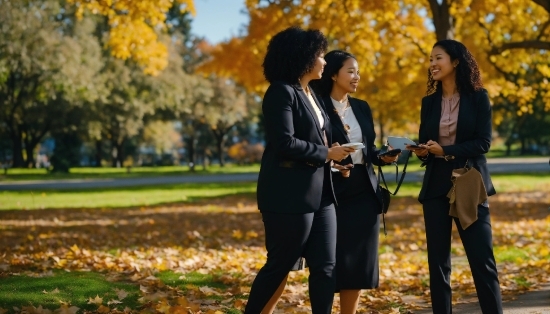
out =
column 448, row 121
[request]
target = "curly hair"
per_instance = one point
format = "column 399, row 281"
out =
column 468, row 77
column 335, row 61
column 292, row 53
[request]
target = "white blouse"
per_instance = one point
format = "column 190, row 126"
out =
column 317, row 110
column 355, row 135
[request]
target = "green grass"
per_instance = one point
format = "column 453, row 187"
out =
column 184, row 281
column 73, row 287
column 76, row 288
column 121, row 197
column 17, row 174
column 521, row 182
column 510, row 254
column 189, row 192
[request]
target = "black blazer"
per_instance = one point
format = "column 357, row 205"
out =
column 363, row 114
column 293, row 169
column 473, row 136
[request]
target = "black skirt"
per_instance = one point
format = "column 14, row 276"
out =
column 358, row 230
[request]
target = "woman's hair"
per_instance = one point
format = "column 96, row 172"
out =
column 468, row 78
column 335, row 61
column 292, row 53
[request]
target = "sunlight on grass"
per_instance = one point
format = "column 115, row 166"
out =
column 184, row 281
column 511, row 254
column 121, row 197
column 74, row 287
column 18, row 174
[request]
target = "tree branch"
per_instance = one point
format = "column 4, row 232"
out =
column 543, row 3
column 526, row 44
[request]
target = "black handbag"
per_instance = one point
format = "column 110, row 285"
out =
column 386, row 194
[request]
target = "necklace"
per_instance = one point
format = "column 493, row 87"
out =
column 343, row 116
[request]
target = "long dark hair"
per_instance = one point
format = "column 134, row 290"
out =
column 335, row 61
column 292, row 53
column 468, row 77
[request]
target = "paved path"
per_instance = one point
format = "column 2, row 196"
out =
column 496, row 165
column 532, row 302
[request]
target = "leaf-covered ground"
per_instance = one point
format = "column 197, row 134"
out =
column 224, row 239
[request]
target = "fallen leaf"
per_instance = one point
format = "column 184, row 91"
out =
column 97, row 300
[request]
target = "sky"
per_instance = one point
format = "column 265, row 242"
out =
column 218, row 20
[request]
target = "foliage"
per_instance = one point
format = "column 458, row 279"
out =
column 392, row 40
column 44, row 73
column 133, row 28
column 204, row 256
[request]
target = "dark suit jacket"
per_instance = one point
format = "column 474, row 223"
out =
column 293, row 169
column 363, row 114
column 473, row 137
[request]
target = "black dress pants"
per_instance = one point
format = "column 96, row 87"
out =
column 477, row 241
column 289, row 237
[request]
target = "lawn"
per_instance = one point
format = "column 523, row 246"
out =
column 18, row 174
column 121, row 197
column 202, row 256
column 190, row 192
column 187, row 248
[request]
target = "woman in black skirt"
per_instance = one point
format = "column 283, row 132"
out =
column 357, row 192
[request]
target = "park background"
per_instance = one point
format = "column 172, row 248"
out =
column 105, row 90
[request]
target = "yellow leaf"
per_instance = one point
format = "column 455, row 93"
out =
column 97, row 300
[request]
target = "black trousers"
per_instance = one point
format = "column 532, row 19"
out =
column 287, row 238
column 478, row 244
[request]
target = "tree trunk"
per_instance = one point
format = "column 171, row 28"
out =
column 117, row 153
column 220, row 136
column 29, row 149
column 191, row 153
column 220, row 143
column 442, row 19
column 17, row 154
column 97, row 156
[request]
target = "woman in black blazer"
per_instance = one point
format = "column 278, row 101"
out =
column 295, row 194
column 455, row 127
column 356, row 188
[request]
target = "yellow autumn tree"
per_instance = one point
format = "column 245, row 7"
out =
column 392, row 41
column 377, row 32
column 133, row 27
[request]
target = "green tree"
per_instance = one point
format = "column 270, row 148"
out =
column 43, row 72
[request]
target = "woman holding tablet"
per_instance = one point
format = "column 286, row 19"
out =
column 356, row 188
column 295, row 194
column 455, row 127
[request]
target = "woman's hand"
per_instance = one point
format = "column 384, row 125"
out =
column 434, row 148
column 390, row 159
column 420, row 152
column 344, row 169
column 339, row 153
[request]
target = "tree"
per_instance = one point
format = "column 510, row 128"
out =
column 392, row 40
column 133, row 28
column 43, row 72
column 390, row 51
column 226, row 108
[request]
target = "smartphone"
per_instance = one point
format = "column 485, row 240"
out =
column 391, row 153
column 416, row 146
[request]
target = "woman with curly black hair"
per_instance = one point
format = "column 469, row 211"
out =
column 295, row 195
column 356, row 188
column 455, row 127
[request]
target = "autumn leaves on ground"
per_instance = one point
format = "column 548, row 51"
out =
column 202, row 257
